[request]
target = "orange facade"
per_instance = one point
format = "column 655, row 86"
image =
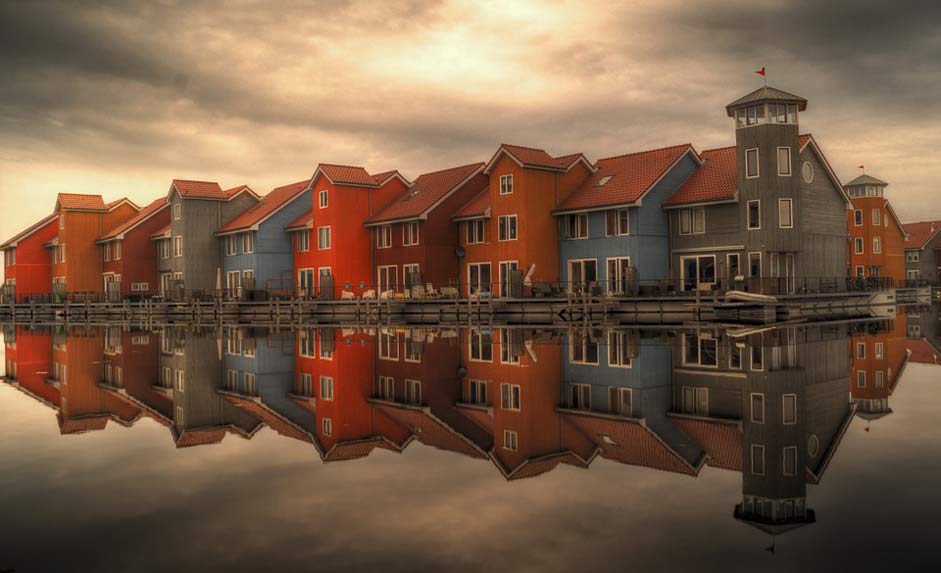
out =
column 26, row 262
column 28, row 362
column 878, row 360
column 877, row 241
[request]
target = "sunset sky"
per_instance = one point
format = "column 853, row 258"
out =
column 103, row 97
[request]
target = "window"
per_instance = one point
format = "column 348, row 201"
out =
column 875, row 217
column 474, row 231
column 178, row 246
column 859, row 247
column 507, row 228
column 510, row 440
column 388, row 346
column 784, row 161
column 911, row 256
column 232, row 380
column 758, row 460
column 106, row 252
column 858, row 217
column 580, row 396
column 860, row 350
column 861, row 378
column 790, row 461
column 324, row 198
column 734, row 265
column 306, row 387
column 754, row 215
column 692, row 221
column 757, row 357
column 413, row 392
column 583, row 349
column 384, row 237
column 62, row 221
column 913, row 274
column 248, row 347
column 616, row 222
column 177, row 211
column 510, row 396
column 877, row 245
column 386, row 388
column 735, row 356
column 509, row 353
column 751, row 163
column 165, row 248
column 696, row 401
column 880, row 378
column 758, row 408
column 326, row 346
column 506, row 184
column 62, row 251
column 323, row 238
column 413, row 352
column 248, row 243
column 179, row 386
column 700, row 351
column 880, row 351
column 481, row 346
column 230, row 246
column 478, row 277
column 117, row 250
column 178, row 417
column 303, row 241
column 785, row 213
column 326, row 427
column 305, row 344
column 620, row 401
column 619, row 349
column 477, row 392
column 410, row 234
column 326, row 388
column 620, row 275
column 789, row 406
column 577, row 226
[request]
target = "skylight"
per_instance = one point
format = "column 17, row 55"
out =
column 604, row 180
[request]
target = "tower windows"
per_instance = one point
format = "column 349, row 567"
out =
column 751, row 163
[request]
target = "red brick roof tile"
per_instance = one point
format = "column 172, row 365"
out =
column 12, row 241
column 347, row 175
column 303, row 222
column 271, row 418
column 536, row 158
column 429, row 429
column 476, row 208
column 626, row 178
column 200, row 437
column 163, row 231
column 80, row 202
column 723, row 442
column 207, row 190
column 428, row 190
column 919, row 234
column 922, row 352
column 715, row 180
column 117, row 202
column 80, row 425
column 147, row 212
column 269, row 204
column 538, row 466
column 381, row 178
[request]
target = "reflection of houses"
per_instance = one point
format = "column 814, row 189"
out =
column 879, row 356
column 923, row 251
column 130, row 371
column 772, row 405
column 28, row 355
column 923, row 328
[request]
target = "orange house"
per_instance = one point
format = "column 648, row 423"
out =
column 28, row 361
column 129, row 257
column 25, row 261
column 878, row 361
column 877, row 238
column 76, row 260
column 344, row 197
column 509, row 230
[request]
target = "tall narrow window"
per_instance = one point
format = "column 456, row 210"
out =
column 789, row 405
column 875, row 217
column 510, row 440
column 475, row 232
column 751, row 163
column 178, row 246
column 248, row 243
column 507, row 229
column 784, row 161
column 754, row 215
column 877, row 245
column 384, row 237
column 177, row 211
column 790, row 461
column 785, row 213
column 506, row 184
column 410, row 234
column 860, row 247
column 323, row 238
column 758, row 408
column 324, row 198
column 510, row 396
column 303, row 241
column 758, row 460
column 858, row 217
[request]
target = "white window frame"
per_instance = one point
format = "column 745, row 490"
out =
column 748, row 224
column 880, row 379
column 876, row 245
column 326, row 388
column 231, row 248
column 578, row 223
column 482, row 394
column 511, row 397
column 413, row 393
column 619, row 349
column 784, row 460
column 861, row 378
column 784, row 401
column 117, row 250
column 326, row 426
column 478, row 235
column 785, row 172
column 303, row 241
column 177, row 211
column 506, row 226
column 859, row 245
column 323, row 198
column 510, row 440
column 880, row 350
column 384, row 237
column 689, row 213
column 410, row 234
column 479, row 336
column 618, row 231
column 755, row 416
column 858, row 218
column 178, row 246
column 506, row 184
column 789, row 210
column 248, row 243
column 329, row 236
column 748, row 153
column 876, row 217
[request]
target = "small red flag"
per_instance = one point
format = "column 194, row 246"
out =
column 861, row 167
column 761, row 71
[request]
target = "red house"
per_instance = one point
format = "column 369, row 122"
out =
column 344, row 198
column 26, row 266
column 129, row 257
column 413, row 237
column 28, row 361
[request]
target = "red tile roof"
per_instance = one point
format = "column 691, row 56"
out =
column 429, row 429
column 715, row 180
column 271, row 418
column 12, row 241
column 80, row 425
column 269, row 204
column 117, row 202
column 302, row 222
column 163, row 231
column 355, row 449
column 155, row 207
column 347, row 175
column 537, row 466
column 919, row 234
column 476, row 208
column 207, row 190
column 381, row 178
column 79, row 202
column 922, row 352
column 536, row 158
column 200, row 437
column 428, row 190
column 723, row 442
column 627, row 178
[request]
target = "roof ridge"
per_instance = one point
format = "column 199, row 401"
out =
column 479, row 163
column 527, row 147
column 719, row 148
column 641, row 152
column 342, row 165
column 196, row 181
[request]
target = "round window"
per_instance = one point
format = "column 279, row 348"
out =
column 807, row 170
column 813, row 446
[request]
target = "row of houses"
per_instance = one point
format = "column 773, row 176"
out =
column 767, row 213
column 771, row 405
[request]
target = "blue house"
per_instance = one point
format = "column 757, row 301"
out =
column 618, row 390
column 614, row 232
column 256, row 250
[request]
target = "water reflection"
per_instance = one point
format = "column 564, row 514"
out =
column 769, row 404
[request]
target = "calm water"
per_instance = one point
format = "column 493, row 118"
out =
column 504, row 450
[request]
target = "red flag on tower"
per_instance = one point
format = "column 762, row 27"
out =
column 761, row 71
column 861, row 167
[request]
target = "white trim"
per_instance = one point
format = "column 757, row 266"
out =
column 757, row 164
column 508, row 217
column 760, row 265
column 790, row 203
column 790, row 171
column 751, row 408
column 329, row 235
column 748, row 215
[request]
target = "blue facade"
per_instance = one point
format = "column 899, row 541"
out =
column 648, row 243
column 272, row 263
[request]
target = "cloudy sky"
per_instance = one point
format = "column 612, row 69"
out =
column 118, row 99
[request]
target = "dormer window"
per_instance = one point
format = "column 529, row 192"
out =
column 601, row 182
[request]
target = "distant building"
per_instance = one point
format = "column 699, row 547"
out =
column 923, row 251
column 876, row 236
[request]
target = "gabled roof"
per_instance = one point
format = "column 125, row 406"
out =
column 922, row 352
column 536, row 158
column 269, row 417
column 866, row 180
column 476, row 208
column 428, row 191
column 199, row 437
column 345, row 175
column 384, row 177
column 80, row 202
column 428, row 428
column 305, row 221
column 122, row 201
column 715, row 180
column 15, row 239
column 721, row 440
column 625, row 179
column 918, row 235
column 356, row 449
column 270, row 204
column 537, row 466
column 144, row 214
column 209, row 190
column 163, row 233
column 806, row 140
column 767, row 93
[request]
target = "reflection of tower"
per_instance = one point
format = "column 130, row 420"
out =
column 879, row 357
